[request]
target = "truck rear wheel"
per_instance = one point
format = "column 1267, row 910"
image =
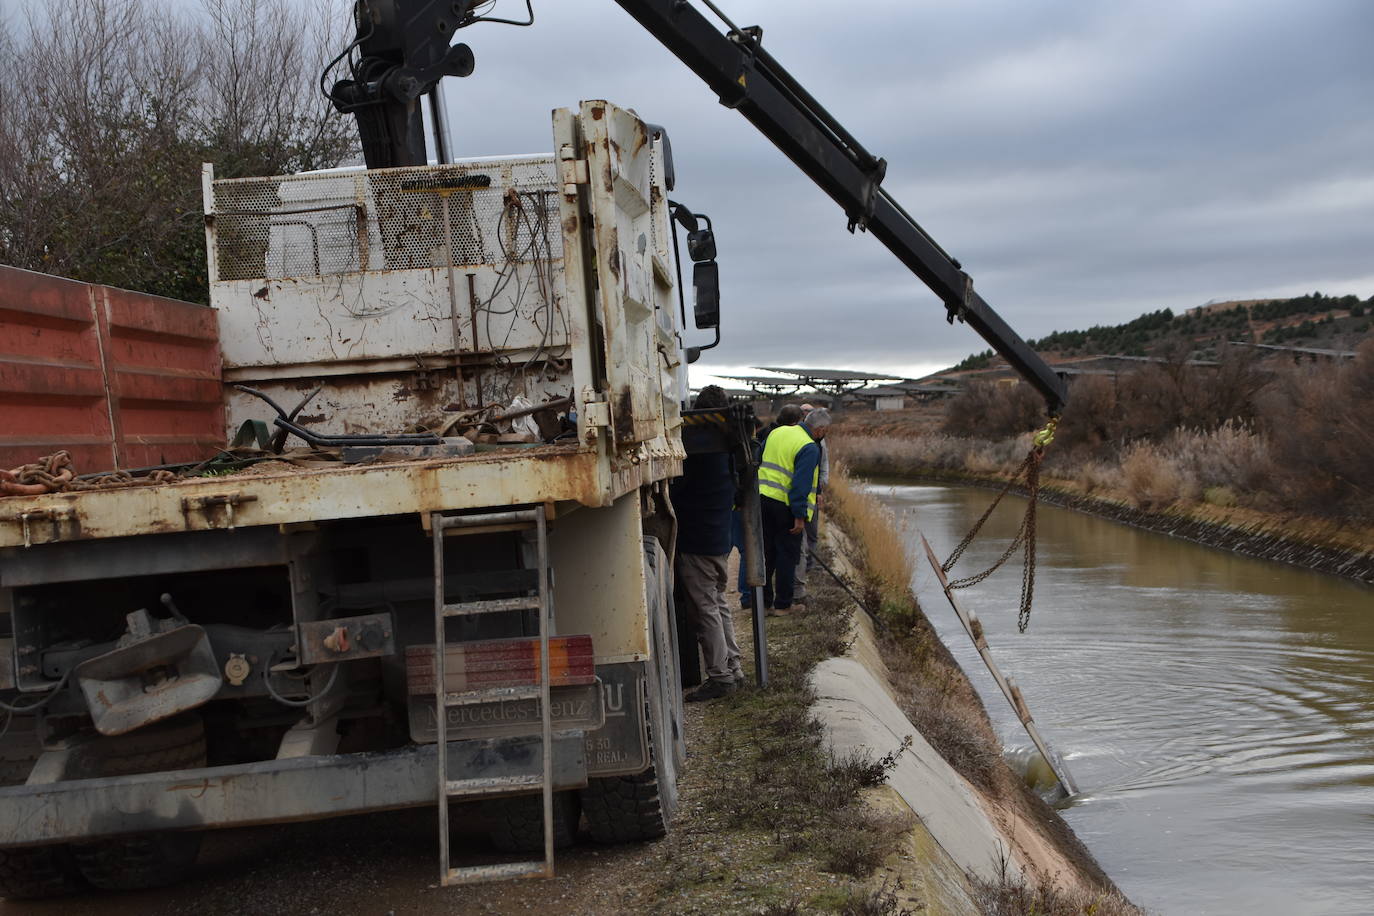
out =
column 145, row 860
column 627, row 809
column 517, row 824
column 36, row 872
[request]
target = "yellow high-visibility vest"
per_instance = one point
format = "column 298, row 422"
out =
column 780, row 459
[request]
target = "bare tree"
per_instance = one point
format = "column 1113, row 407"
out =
column 108, row 107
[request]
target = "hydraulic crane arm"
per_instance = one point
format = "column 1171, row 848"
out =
column 747, row 78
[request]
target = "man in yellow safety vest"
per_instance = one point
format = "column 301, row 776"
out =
column 788, row 476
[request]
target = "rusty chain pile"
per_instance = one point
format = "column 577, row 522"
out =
column 1025, row 535
column 55, row 474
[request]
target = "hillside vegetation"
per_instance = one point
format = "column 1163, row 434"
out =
column 1313, row 320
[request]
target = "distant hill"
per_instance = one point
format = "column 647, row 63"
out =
column 1314, row 320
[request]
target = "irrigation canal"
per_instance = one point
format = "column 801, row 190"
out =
column 1216, row 711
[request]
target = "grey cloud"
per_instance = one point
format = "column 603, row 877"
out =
column 1086, row 161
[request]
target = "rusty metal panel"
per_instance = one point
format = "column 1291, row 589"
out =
column 119, row 379
column 52, row 389
column 162, row 365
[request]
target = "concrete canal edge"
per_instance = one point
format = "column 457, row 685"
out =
column 959, row 833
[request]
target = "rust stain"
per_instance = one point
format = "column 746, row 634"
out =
column 598, row 112
column 200, row 788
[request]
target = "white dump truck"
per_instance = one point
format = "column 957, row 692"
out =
column 455, row 392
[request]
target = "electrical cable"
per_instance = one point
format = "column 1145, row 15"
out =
column 297, row 704
column 57, row 688
column 371, row 27
column 529, row 10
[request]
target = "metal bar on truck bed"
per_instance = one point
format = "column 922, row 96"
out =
column 269, row 791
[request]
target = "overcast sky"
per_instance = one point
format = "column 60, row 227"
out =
column 1086, row 161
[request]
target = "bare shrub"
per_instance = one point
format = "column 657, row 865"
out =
column 1153, row 478
column 109, row 107
column 884, row 900
column 1322, row 439
column 859, row 840
column 1232, row 456
column 1013, row 896
column 990, row 411
column 1099, row 475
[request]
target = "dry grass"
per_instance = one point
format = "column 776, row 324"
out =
column 1154, row 478
column 888, row 565
column 1012, row 896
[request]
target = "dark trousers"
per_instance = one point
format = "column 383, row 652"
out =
column 781, row 551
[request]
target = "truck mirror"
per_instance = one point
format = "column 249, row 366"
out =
column 706, row 288
column 701, row 245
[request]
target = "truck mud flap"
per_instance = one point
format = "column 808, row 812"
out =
column 620, row 747
column 269, row 791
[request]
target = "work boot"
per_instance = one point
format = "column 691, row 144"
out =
column 712, row 690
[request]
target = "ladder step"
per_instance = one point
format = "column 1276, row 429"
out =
column 480, row 784
column 492, row 606
column 476, row 874
column 492, row 694
column 489, row 521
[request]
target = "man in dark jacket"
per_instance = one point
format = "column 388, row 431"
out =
column 703, row 497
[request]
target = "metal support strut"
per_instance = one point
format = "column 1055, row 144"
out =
column 442, row 525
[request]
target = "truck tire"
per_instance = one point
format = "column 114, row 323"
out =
column 517, row 824
column 36, row 872
column 625, row 809
column 145, row 860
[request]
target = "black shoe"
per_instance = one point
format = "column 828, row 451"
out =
column 712, row 690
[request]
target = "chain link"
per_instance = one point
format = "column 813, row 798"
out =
column 55, row 474
column 1025, row 534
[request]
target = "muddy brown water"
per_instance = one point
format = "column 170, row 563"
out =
column 1216, row 711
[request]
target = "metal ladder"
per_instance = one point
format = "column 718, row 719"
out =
column 441, row 526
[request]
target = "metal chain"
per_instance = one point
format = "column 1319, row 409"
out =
column 1025, row 535
column 55, row 474
column 978, row 525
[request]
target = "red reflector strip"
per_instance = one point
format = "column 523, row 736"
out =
column 501, row 663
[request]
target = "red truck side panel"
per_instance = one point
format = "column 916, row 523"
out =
column 119, row 379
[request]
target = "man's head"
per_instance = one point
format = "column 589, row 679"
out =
column 790, row 415
column 818, row 423
column 711, row 396
column 807, row 408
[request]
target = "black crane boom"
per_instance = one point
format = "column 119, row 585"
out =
column 747, row 78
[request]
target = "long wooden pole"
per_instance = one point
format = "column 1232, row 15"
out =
column 974, row 628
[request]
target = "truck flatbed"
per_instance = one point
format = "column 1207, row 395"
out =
column 284, row 494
